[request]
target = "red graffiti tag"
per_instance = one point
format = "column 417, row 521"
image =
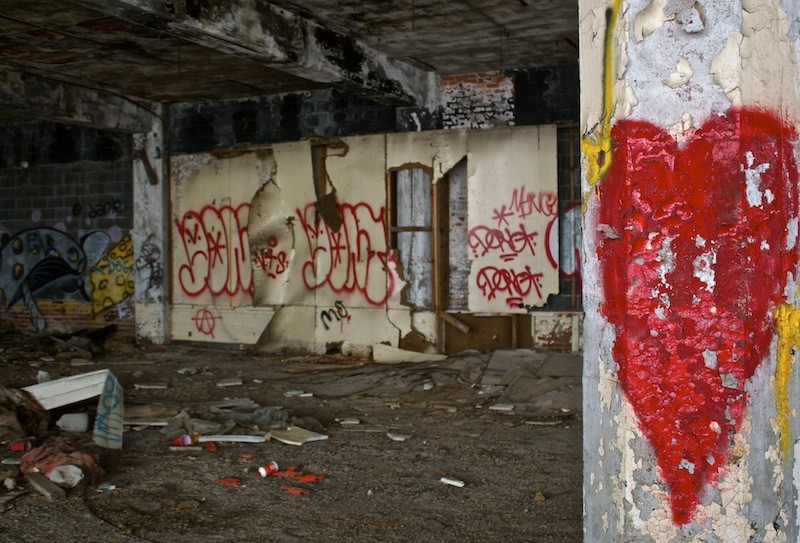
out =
column 215, row 247
column 205, row 322
column 694, row 255
column 514, row 284
column 524, row 204
column 347, row 260
column 511, row 243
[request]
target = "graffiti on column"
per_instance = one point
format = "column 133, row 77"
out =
column 112, row 278
column 692, row 276
column 149, row 269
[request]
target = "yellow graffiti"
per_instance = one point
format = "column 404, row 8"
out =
column 597, row 145
column 787, row 319
column 112, row 277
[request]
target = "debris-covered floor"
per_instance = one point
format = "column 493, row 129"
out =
column 506, row 425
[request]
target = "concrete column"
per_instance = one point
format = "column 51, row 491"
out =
column 151, row 230
column 689, row 120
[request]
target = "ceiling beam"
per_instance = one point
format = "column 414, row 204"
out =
column 31, row 97
column 281, row 40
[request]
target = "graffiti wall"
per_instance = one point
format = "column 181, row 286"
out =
column 510, row 210
column 692, row 258
column 292, row 245
column 65, row 219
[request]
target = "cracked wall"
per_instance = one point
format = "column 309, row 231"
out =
column 689, row 113
column 291, row 244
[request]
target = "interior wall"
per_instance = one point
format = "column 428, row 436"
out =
column 65, row 220
column 277, row 244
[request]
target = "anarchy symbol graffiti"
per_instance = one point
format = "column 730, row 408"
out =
column 205, row 322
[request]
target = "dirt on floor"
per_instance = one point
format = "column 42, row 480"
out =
column 505, row 424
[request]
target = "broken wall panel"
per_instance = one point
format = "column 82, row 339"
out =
column 413, row 234
column 513, row 201
column 211, row 255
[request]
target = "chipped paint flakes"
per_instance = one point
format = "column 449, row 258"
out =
column 727, row 69
column 752, row 176
column 607, row 386
column 796, row 482
column 704, row 269
column 682, row 74
column 791, row 233
column 667, row 259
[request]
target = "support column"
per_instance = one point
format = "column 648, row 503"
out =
column 151, row 230
column 690, row 173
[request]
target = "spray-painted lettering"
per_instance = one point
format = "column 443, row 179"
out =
column 354, row 259
column 216, row 255
column 515, row 285
column 338, row 312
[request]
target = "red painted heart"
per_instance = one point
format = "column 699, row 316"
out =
column 694, row 249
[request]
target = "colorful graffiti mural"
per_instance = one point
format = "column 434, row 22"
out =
column 112, row 278
column 44, row 262
column 215, row 257
column 347, row 260
column 694, row 267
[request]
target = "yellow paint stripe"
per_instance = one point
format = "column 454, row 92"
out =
column 787, row 319
column 597, row 145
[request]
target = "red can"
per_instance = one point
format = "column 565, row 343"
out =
column 268, row 469
column 20, row 446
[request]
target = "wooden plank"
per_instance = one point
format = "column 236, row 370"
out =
column 45, row 486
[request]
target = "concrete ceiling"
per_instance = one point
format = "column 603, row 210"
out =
column 191, row 50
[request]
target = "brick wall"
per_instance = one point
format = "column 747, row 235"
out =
column 66, row 203
column 199, row 127
column 480, row 100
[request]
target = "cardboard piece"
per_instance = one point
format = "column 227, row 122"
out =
column 78, row 388
column 294, row 435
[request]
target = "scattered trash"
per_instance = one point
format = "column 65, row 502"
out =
column 294, row 435
column 106, row 487
column 160, row 385
column 501, row 407
column 539, row 497
column 45, row 486
column 246, row 457
column 42, row 376
column 230, row 382
column 297, row 491
column 73, row 422
column 211, row 446
column 398, row 437
column 186, row 372
column 452, row 482
column 258, row 381
column 70, row 390
column 190, row 448
column 232, row 438
column 182, row 441
column 20, row 415
column 66, row 476
column 11, row 461
column 20, row 446
column 229, row 481
column 9, row 483
column 268, row 469
column 48, row 457
column 349, row 421
column 78, row 362
column 298, row 394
